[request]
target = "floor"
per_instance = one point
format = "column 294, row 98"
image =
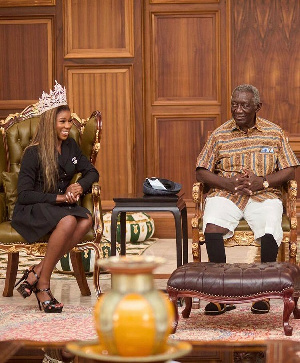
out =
column 66, row 289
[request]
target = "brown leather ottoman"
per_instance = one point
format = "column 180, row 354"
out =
column 236, row 283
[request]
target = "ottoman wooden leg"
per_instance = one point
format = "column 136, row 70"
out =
column 289, row 305
column 188, row 306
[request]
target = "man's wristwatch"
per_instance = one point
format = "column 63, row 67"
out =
column 265, row 183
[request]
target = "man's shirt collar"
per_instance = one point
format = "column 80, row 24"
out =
column 258, row 125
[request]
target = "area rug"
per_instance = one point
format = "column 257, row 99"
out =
column 76, row 323
column 236, row 325
column 25, row 261
column 28, row 323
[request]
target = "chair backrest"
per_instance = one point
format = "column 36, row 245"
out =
column 19, row 129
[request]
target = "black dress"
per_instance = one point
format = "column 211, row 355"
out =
column 36, row 213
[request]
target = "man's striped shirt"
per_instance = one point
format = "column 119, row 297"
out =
column 264, row 149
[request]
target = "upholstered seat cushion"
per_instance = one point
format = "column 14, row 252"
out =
column 238, row 279
column 243, row 225
column 9, row 235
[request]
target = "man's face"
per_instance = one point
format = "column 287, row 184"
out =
column 243, row 109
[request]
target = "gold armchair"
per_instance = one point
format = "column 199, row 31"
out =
column 17, row 131
column 243, row 236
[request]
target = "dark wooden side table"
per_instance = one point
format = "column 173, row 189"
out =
column 174, row 204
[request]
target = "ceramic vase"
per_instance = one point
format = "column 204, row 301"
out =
column 133, row 319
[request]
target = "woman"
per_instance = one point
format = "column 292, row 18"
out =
column 46, row 199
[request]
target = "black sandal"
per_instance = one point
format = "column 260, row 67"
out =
column 26, row 289
column 217, row 308
column 261, row 307
column 49, row 306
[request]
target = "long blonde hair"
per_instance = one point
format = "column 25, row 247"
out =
column 46, row 140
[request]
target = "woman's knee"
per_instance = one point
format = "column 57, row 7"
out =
column 89, row 222
column 85, row 223
column 68, row 223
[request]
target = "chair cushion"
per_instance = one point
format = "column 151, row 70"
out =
column 10, row 184
column 139, row 227
column 8, row 235
column 286, row 223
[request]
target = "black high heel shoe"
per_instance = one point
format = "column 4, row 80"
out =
column 49, row 306
column 25, row 289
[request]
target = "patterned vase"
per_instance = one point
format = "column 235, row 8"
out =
column 133, row 319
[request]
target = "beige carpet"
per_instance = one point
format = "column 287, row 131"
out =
column 236, row 325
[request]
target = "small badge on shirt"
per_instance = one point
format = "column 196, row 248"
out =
column 267, row 150
column 74, row 160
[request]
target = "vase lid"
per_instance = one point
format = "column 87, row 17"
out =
column 130, row 264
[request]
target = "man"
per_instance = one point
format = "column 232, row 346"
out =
column 244, row 162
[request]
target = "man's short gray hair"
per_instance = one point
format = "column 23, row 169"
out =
column 248, row 88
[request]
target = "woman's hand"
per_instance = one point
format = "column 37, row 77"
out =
column 73, row 193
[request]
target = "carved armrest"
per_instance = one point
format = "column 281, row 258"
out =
column 97, row 213
column 92, row 202
column 198, row 199
column 291, row 199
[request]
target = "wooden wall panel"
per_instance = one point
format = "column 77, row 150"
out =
column 265, row 45
column 11, row 3
column 186, row 56
column 98, row 29
column 183, row 1
column 26, row 55
column 108, row 90
column 267, row 34
column 185, row 84
column 177, row 141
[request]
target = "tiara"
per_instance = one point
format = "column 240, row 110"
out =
column 55, row 98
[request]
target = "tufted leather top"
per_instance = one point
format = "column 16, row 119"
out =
column 238, row 279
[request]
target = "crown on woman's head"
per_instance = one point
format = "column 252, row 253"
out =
column 57, row 97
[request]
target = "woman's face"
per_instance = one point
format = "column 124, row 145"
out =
column 63, row 124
